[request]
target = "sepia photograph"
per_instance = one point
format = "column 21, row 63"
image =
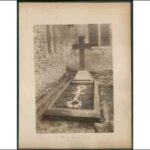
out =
column 73, row 78
column 75, row 75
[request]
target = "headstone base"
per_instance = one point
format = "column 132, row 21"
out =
column 83, row 76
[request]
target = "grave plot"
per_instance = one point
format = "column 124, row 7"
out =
column 76, row 102
column 79, row 100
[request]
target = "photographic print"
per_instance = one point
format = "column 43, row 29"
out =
column 75, row 75
column 73, row 78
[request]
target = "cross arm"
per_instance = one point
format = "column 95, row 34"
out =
column 77, row 46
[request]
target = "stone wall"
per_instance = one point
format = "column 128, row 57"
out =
column 49, row 67
column 97, row 59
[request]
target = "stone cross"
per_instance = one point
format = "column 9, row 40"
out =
column 81, row 46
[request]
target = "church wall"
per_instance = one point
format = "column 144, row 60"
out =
column 97, row 59
column 49, row 67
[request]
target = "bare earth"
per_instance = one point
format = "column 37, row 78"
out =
column 106, row 108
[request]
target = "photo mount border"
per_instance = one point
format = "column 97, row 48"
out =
column 70, row 1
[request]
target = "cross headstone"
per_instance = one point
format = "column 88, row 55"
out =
column 81, row 46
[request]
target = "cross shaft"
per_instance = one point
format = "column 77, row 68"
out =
column 81, row 46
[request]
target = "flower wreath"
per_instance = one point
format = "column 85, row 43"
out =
column 74, row 104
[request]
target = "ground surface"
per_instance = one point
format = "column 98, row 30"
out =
column 106, row 108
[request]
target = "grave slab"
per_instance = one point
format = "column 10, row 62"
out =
column 76, row 103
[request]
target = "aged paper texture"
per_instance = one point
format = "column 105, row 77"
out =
column 35, row 18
